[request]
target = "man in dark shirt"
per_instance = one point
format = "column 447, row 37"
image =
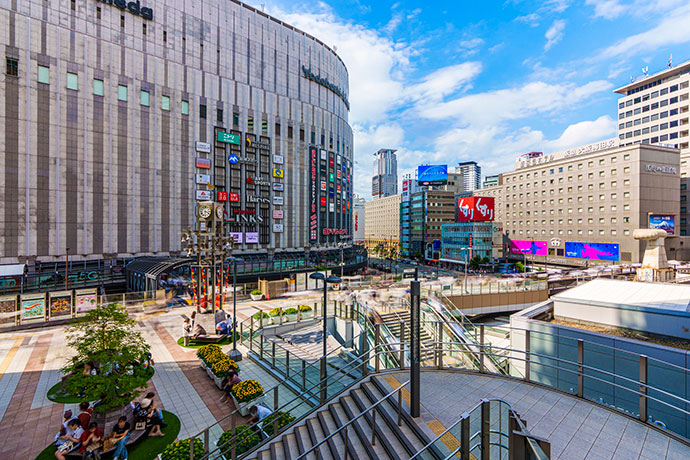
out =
column 120, row 437
column 90, row 438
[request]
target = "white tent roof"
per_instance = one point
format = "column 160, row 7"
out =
column 663, row 296
column 12, row 270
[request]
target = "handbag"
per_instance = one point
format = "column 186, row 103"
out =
column 66, row 446
column 108, row 444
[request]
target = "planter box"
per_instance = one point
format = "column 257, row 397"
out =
column 218, row 381
column 210, row 374
column 306, row 314
column 291, row 318
column 256, row 296
column 203, row 364
column 275, row 319
column 244, row 407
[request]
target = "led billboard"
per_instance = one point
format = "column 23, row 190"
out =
column 592, row 251
column 475, row 209
column 663, row 222
column 529, row 247
column 432, row 174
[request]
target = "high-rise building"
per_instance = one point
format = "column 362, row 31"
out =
column 429, row 210
column 490, row 181
column 382, row 227
column 358, row 220
column 471, row 174
column 385, row 180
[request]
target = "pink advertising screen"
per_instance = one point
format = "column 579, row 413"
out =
column 528, row 247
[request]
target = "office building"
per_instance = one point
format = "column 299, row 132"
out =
column 471, row 174
column 491, row 181
column 429, row 210
column 594, row 195
column 385, row 179
column 117, row 121
column 359, row 221
column 461, row 241
column 382, row 224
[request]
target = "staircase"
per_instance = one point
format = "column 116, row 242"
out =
column 392, row 441
column 395, row 320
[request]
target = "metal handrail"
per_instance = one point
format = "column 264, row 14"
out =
column 344, row 427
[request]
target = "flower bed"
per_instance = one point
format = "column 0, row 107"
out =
column 180, row 450
column 291, row 313
column 246, row 439
column 305, row 311
column 216, row 363
column 284, row 419
column 247, row 390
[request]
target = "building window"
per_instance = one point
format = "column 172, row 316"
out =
column 202, row 111
column 626, row 182
column 98, row 12
column 12, row 67
column 98, row 87
column 43, row 74
column 122, row 21
column 219, row 115
column 250, row 123
column 72, row 81
column 165, row 36
column 143, row 29
column 145, row 98
column 184, row 107
column 235, row 118
column 165, row 102
column 122, row 93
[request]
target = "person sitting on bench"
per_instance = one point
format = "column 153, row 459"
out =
column 90, row 439
column 199, row 331
column 120, row 437
column 230, row 381
column 223, row 327
column 69, row 440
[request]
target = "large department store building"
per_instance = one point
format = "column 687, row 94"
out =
column 118, row 117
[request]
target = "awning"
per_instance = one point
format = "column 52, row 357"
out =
column 12, row 270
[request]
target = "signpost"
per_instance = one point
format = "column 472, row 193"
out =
column 228, row 138
column 414, row 348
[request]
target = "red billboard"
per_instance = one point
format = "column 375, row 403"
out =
column 475, row 209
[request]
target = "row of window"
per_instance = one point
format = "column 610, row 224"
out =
column 580, row 177
column 590, row 164
column 647, row 108
column 646, row 97
column 652, row 140
column 571, row 232
column 645, row 120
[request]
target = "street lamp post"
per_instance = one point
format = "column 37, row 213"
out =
column 324, row 331
column 235, row 354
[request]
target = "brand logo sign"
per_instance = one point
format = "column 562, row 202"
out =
column 278, row 173
column 334, row 231
column 258, row 145
column 661, row 169
column 233, row 197
column 277, row 228
column 233, row 159
column 278, row 200
column 203, row 179
column 251, row 237
column 222, row 196
column 228, row 138
column 203, row 195
column 278, row 159
column 203, row 147
column 475, row 209
column 278, row 186
column 243, row 216
column 203, row 163
column 237, row 236
column 277, row 214
column 555, row 242
column 324, row 82
column 256, row 199
column 257, row 181
column 313, row 218
column 323, row 185
column 133, row 7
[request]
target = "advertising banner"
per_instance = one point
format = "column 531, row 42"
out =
column 8, row 309
column 277, row 214
column 476, row 209
column 663, row 222
column 33, row 307
column 236, row 236
column 60, row 304
column 203, row 163
column 432, row 174
column 535, row 248
column 204, row 195
column 592, row 251
column 203, row 147
column 233, row 197
column 323, row 186
column 222, row 196
column 251, row 237
column 313, row 217
column 85, row 300
column 203, row 179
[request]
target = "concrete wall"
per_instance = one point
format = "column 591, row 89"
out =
column 475, row 304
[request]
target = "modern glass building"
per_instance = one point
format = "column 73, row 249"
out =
column 484, row 239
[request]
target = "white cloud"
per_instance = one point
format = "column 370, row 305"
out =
column 547, row 8
column 607, row 9
column 582, row 133
column 514, row 103
column 554, row 34
column 368, row 139
column 672, row 30
column 444, row 81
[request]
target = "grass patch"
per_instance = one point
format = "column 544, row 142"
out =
column 195, row 346
column 145, row 449
column 54, row 394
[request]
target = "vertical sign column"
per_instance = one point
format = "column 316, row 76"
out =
column 313, row 210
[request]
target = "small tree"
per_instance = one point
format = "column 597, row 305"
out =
column 106, row 339
column 475, row 262
column 520, row 267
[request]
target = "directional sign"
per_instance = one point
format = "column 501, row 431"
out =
column 228, row 138
column 233, row 159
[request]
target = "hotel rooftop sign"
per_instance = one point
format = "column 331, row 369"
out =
column 133, row 7
column 600, row 146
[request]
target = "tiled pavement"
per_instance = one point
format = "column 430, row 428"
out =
column 576, row 429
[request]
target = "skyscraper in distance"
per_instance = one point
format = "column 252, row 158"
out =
column 385, row 179
column 471, row 175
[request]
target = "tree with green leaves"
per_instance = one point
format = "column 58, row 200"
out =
column 475, row 262
column 520, row 267
column 106, row 340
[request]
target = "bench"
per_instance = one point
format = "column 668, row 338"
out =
column 208, row 338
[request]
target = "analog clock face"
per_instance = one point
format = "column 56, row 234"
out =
column 205, row 211
column 219, row 212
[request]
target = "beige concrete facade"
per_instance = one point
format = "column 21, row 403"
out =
column 597, row 197
column 382, row 222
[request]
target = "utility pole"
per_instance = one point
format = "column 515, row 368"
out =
column 415, row 292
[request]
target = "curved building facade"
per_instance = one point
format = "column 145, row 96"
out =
column 117, row 117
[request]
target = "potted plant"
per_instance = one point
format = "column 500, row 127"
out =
column 291, row 314
column 246, row 394
column 284, row 419
column 179, row 450
column 275, row 314
column 256, row 294
column 245, row 439
column 305, row 311
column 209, row 354
column 219, row 370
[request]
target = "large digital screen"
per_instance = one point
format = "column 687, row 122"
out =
column 528, row 247
column 432, row 174
column 663, row 222
column 592, row 251
column 475, row 209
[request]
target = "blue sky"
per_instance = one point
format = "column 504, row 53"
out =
column 445, row 82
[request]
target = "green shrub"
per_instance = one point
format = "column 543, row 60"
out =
column 246, row 439
column 275, row 312
column 284, row 419
column 260, row 315
column 179, row 450
column 304, row 308
column 256, row 292
column 290, row 311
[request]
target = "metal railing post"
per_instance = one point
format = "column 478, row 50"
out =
column 276, row 405
column 304, row 375
column 261, row 319
column 206, row 441
column 580, row 369
column 191, row 449
column 481, row 348
column 261, row 346
column 287, row 364
column 273, row 355
column 400, row 407
column 251, row 335
column 402, row 348
column 465, row 437
column 234, row 433
column 486, row 430
column 323, row 385
column 439, row 349
column 347, row 449
column 373, row 427
column 377, row 339
column 280, row 322
column 643, row 388
column 241, row 333
column 527, row 356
